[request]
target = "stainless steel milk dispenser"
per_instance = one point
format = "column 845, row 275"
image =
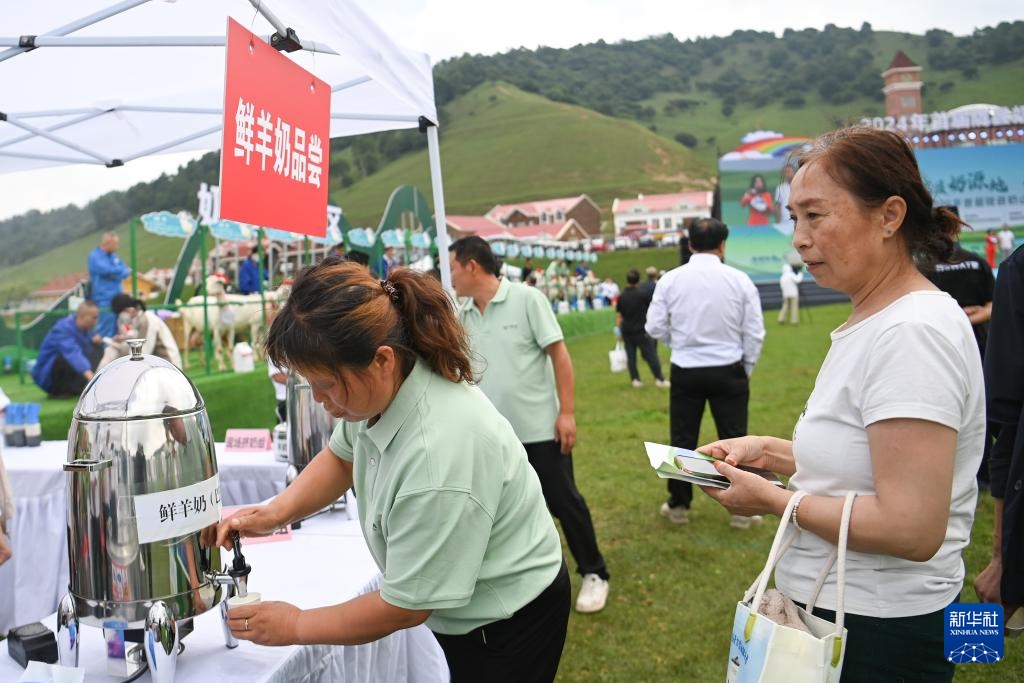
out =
column 309, row 431
column 141, row 485
column 309, row 425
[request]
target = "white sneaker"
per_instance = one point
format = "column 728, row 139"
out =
column 593, row 594
column 677, row 515
column 637, row 384
column 662, row 383
column 741, row 522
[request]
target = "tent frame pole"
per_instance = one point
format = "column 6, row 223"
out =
column 43, row 133
column 94, row 18
column 440, row 222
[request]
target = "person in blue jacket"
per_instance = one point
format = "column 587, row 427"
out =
column 106, row 271
column 249, row 275
column 69, row 354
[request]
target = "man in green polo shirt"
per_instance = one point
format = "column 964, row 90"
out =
column 527, row 374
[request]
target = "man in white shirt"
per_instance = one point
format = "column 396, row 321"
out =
column 709, row 315
column 1007, row 240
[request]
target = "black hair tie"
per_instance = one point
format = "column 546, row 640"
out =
column 390, row 290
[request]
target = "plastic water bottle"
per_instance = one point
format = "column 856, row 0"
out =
column 33, row 430
column 14, row 430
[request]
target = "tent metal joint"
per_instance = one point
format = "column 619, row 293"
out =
column 426, row 123
column 3, row 116
column 289, row 42
column 27, row 42
column 114, row 163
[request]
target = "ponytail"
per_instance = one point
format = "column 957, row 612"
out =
column 431, row 328
column 338, row 315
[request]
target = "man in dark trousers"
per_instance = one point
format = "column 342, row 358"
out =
column 69, row 353
column 630, row 316
column 1002, row 581
column 709, row 315
column 527, row 374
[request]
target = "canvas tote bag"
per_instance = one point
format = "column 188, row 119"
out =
column 617, row 358
column 762, row 651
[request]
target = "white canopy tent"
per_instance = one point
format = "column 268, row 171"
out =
column 104, row 83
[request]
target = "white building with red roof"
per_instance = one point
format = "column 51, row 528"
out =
column 660, row 213
column 482, row 226
column 581, row 208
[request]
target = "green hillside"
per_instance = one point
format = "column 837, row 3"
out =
column 500, row 144
column 715, row 132
column 152, row 251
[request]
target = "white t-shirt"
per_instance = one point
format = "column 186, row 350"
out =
column 1007, row 239
column 917, row 358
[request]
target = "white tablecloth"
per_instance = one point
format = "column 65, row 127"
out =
column 325, row 563
column 36, row 577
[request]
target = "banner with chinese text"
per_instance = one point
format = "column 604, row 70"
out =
column 276, row 143
column 986, row 182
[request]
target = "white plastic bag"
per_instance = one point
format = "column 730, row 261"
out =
column 617, row 358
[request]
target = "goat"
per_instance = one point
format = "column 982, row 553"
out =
column 227, row 314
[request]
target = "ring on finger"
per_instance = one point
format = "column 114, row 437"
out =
column 246, row 625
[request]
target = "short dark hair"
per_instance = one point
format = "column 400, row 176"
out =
column 707, row 234
column 359, row 257
column 477, row 249
column 633, row 276
column 122, row 301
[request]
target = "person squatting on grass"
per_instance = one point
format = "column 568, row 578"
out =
column 451, row 510
column 897, row 412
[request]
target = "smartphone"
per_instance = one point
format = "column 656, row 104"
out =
column 699, row 467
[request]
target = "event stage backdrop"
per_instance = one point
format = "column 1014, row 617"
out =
column 986, row 182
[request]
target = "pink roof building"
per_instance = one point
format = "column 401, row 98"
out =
column 559, row 210
column 661, row 212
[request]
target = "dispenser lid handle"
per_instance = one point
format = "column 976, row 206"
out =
column 135, row 346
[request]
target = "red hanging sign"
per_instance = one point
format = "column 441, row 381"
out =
column 276, row 147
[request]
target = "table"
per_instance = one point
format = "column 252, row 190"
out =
column 36, row 577
column 325, row 562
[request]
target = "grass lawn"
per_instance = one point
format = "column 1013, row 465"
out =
column 674, row 589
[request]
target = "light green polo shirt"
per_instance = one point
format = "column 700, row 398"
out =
column 508, row 342
column 449, row 505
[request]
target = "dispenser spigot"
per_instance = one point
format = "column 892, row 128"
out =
column 240, row 569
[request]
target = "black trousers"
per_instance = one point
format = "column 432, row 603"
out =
column 65, row 380
column 727, row 389
column 896, row 650
column 648, row 349
column 567, row 504
column 526, row 647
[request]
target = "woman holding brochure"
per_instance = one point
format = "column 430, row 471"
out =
column 458, row 526
column 896, row 414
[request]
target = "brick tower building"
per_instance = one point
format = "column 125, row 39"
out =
column 902, row 87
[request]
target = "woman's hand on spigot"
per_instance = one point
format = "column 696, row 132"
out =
column 250, row 521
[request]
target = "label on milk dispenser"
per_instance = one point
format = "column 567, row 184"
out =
column 178, row 512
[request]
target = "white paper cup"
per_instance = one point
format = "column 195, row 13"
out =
column 252, row 598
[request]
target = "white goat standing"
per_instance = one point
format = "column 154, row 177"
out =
column 227, row 314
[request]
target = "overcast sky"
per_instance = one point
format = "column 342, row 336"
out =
column 447, row 28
